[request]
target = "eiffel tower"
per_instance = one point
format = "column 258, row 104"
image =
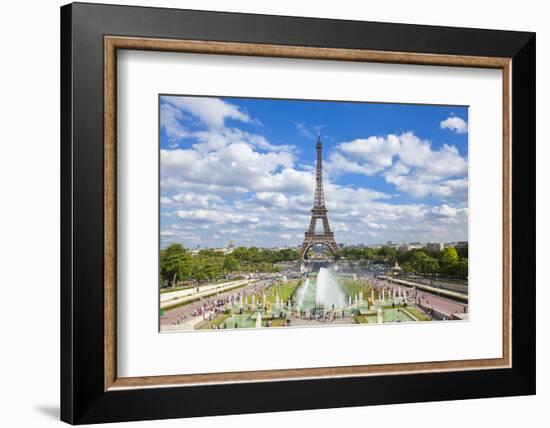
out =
column 319, row 212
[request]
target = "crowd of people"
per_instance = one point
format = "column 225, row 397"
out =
column 210, row 308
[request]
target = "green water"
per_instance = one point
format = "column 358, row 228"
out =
column 391, row 315
column 242, row 321
column 247, row 320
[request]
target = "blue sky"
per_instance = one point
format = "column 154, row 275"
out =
column 242, row 170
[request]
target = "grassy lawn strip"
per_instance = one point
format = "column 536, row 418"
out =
column 169, row 289
column 353, row 288
column 361, row 319
column 218, row 320
column 278, row 322
column 285, row 291
column 397, row 306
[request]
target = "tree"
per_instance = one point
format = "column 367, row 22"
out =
column 388, row 253
column 174, row 264
column 425, row 263
column 287, row 254
column 408, row 267
column 449, row 256
column 461, row 268
column 420, row 262
column 408, row 255
column 463, row 251
column 177, row 264
column 211, row 269
column 241, row 254
column 231, row 264
column 198, row 272
column 455, row 262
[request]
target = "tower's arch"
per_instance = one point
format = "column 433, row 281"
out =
column 333, row 250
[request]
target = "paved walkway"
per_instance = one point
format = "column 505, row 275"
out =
column 171, row 295
column 204, row 291
column 189, row 324
column 440, row 304
column 430, row 289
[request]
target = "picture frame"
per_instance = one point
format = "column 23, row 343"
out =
column 91, row 35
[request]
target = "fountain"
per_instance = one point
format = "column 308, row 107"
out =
column 259, row 320
column 301, row 294
column 320, row 296
column 329, row 293
column 380, row 315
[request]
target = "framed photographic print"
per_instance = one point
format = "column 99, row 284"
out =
column 224, row 184
column 275, row 213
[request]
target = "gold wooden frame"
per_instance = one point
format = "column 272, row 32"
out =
column 113, row 43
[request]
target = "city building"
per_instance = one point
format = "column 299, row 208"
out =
column 434, row 246
column 458, row 244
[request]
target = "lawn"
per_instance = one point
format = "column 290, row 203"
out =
column 278, row 322
column 285, row 291
column 353, row 288
column 169, row 289
column 218, row 320
column 361, row 319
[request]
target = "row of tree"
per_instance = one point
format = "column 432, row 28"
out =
column 390, row 254
column 179, row 265
column 446, row 262
column 450, row 261
column 383, row 254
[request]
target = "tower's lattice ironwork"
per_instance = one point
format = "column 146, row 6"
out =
column 319, row 212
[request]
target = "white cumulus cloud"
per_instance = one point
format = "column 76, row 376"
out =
column 455, row 124
column 211, row 111
column 406, row 161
